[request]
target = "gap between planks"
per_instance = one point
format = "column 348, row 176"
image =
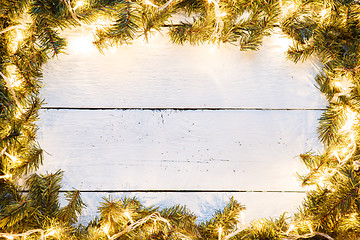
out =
column 176, row 191
column 182, row 191
column 183, row 109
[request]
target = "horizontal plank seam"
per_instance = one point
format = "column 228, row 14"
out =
column 183, row 109
column 181, row 191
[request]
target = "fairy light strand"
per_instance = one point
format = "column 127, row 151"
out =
column 72, row 12
column 154, row 216
column 42, row 232
column 8, row 83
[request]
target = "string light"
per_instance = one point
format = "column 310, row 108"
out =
column 79, row 4
column 6, row 176
column 222, row 14
column 127, row 214
column 220, row 230
column 242, row 217
column 148, row 2
column 106, row 229
column 52, row 232
column 14, row 159
column 351, row 119
column 308, row 224
column 291, row 227
column 323, row 13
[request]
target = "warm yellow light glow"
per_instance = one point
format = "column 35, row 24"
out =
column 323, row 13
column 242, row 217
column 288, row 8
column 351, row 119
column 52, row 232
column 150, row 3
column 14, row 159
column 82, row 44
column 17, row 83
column 321, row 181
column 79, row 4
column 282, row 42
column 222, row 14
column 220, row 230
column 308, row 223
column 292, row 226
column 127, row 214
column 18, row 37
column 18, row 114
column 6, row 176
column 101, row 23
column 338, row 84
column 10, row 237
column 106, row 229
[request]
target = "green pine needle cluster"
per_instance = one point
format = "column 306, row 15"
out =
column 30, row 35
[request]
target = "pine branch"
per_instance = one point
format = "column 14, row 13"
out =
column 44, row 192
column 69, row 214
column 124, row 29
column 331, row 122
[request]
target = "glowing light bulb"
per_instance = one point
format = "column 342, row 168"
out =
column 291, row 6
column 242, row 217
column 18, row 114
column 323, row 13
column 79, row 4
column 10, row 237
column 220, row 230
column 51, row 233
column 147, row 2
column 82, row 44
column 213, row 49
column 222, row 14
column 14, row 159
column 344, row 150
column 127, row 214
column 106, row 229
column 19, row 36
column 282, row 42
column 15, row 82
column 292, row 226
column 338, row 84
column 351, row 118
column 308, row 223
column 6, row 176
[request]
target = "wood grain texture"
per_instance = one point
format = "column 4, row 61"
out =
column 159, row 74
column 241, row 150
column 167, row 150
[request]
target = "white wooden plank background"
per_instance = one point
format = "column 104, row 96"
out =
column 241, row 150
column 162, row 75
column 95, row 130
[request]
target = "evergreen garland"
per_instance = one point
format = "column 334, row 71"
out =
column 30, row 35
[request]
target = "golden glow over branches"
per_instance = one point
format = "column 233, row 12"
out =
column 127, row 214
column 79, row 4
column 148, row 2
column 220, row 230
column 43, row 234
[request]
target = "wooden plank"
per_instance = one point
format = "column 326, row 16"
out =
column 209, row 150
column 159, row 74
column 258, row 204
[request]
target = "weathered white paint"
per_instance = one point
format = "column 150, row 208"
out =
column 176, row 150
column 241, row 150
column 160, row 74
